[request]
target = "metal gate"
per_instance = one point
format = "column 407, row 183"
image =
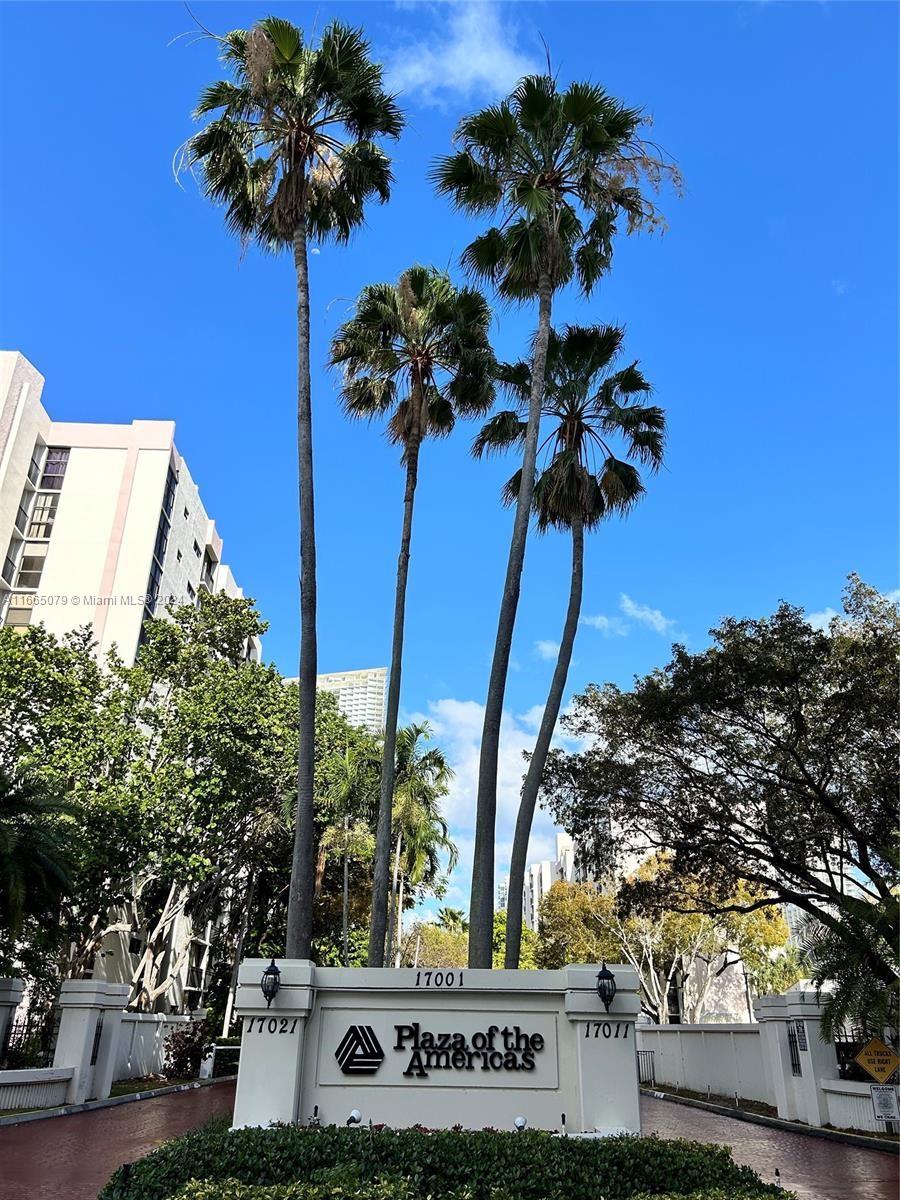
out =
column 646, row 1072
column 794, row 1047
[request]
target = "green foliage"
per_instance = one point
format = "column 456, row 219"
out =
column 528, row 949
column 765, row 762
column 33, row 855
column 186, row 1047
column 478, row 1166
column 291, row 135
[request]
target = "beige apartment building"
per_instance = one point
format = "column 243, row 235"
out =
column 100, row 525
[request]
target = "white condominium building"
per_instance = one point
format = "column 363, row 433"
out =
column 360, row 695
column 100, row 525
column 541, row 876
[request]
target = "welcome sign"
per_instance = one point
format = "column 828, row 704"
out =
column 453, row 1048
column 438, row 1048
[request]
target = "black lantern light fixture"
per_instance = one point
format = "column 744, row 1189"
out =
column 606, row 986
column 270, row 983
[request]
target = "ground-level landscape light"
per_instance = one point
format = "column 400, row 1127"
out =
column 355, row 1117
column 270, row 983
column 606, row 986
column 520, row 1123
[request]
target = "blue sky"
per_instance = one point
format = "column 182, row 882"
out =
column 766, row 319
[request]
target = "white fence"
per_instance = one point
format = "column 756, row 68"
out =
column 850, row 1105
column 34, row 1087
column 727, row 1060
column 141, row 1048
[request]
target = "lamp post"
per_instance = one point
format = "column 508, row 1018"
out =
column 270, row 983
column 606, row 986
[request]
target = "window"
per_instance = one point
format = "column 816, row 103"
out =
column 31, row 565
column 9, row 565
column 22, row 514
column 169, row 493
column 178, row 555
column 43, row 515
column 34, row 467
column 54, row 468
column 153, row 585
column 196, row 548
column 186, row 514
column 17, row 616
column 191, row 592
column 162, row 540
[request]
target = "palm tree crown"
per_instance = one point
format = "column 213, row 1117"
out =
column 559, row 167
column 294, row 135
column 588, row 403
column 421, row 347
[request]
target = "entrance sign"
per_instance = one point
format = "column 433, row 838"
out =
column 878, row 1060
column 438, row 1048
column 884, row 1102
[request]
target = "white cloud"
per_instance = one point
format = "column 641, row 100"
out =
column 608, row 626
column 644, row 615
column 840, row 287
column 822, row 620
column 457, row 728
column 546, row 649
column 470, row 54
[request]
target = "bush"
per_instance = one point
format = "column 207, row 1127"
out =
column 417, row 1165
column 186, row 1047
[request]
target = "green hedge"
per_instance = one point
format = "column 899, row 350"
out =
column 415, row 1165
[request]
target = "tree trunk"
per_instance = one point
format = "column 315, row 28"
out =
column 396, row 876
column 386, row 798
column 345, row 912
column 535, row 773
column 481, row 907
column 399, row 922
column 300, row 902
column 238, row 951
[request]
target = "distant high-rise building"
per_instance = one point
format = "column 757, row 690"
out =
column 360, row 695
column 100, row 525
column 502, row 893
column 541, row 876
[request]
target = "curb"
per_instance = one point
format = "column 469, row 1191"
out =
column 67, row 1110
column 739, row 1114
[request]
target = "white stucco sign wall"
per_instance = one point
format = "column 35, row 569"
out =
column 438, row 1048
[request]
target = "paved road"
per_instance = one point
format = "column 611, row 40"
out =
column 70, row 1158
column 812, row 1167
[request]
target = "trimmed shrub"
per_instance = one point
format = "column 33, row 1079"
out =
column 186, row 1047
column 276, row 1162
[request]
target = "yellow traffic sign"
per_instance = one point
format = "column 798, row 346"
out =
column 878, row 1060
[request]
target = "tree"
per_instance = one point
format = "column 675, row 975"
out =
column 588, row 403
column 290, row 150
column 669, row 950
column 33, row 860
column 559, row 167
column 453, row 919
column 767, row 762
column 427, row 944
column 528, row 943
column 422, row 778
column 418, row 350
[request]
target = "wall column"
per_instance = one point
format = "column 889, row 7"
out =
column 88, row 1035
column 797, row 1097
column 11, row 993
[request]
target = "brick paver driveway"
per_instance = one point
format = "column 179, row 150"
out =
column 70, row 1158
column 812, row 1167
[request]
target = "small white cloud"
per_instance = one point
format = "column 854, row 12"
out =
column 840, row 287
column 546, row 649
column 644, row 615
column 608, row 626
column 471, row 54
column 822, row 620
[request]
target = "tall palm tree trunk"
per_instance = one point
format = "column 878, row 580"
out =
column 481, row 907
column 300, row 902
column 399, row 938
column 396, row 876
column 345, row 911
column 388, row 764
column 532, row 783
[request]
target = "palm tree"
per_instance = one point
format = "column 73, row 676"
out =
column 588, row 403
column 33, row 857
column 559, row 167
column 290, row 152
column 453, row 920
column 419, row 350
column 349, row 805
column 422, row 778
